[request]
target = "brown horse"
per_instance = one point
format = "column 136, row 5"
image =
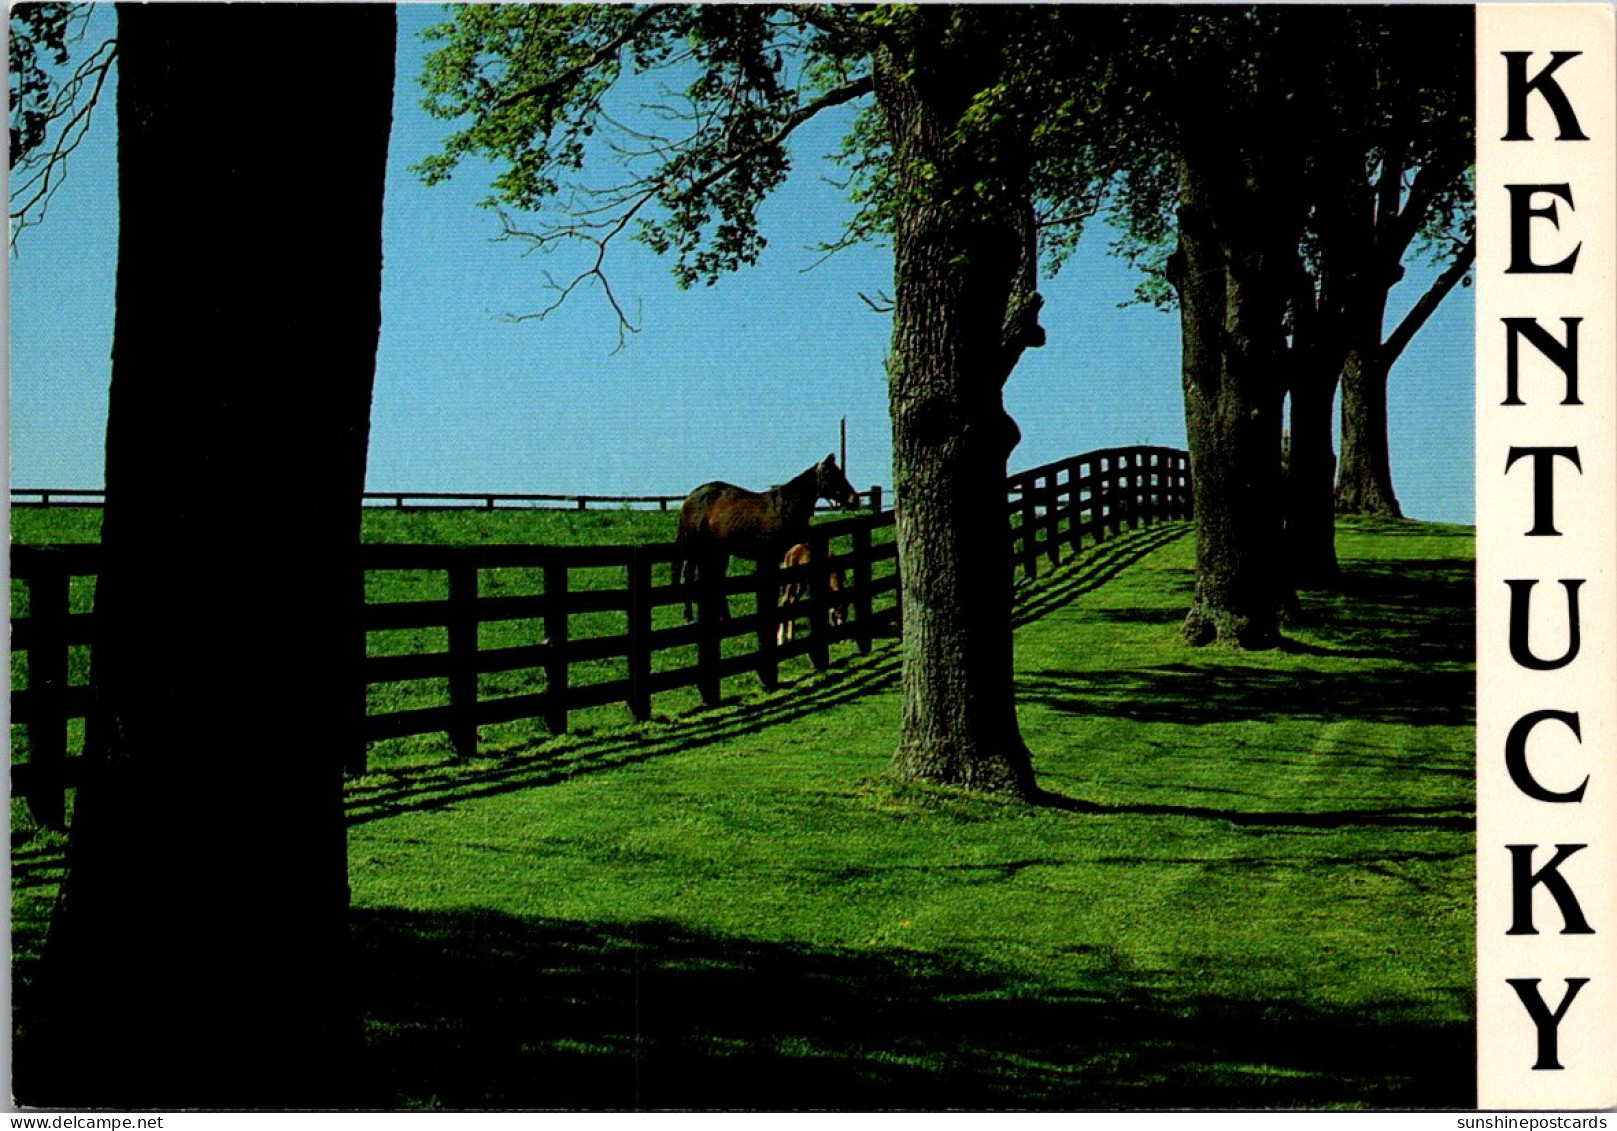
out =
column 792, row 592
column 721, row 519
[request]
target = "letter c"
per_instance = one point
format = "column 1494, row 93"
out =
column 1516, row 755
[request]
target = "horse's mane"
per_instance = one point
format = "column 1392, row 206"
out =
column 789, row 498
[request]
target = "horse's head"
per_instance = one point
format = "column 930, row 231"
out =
column 833, row 486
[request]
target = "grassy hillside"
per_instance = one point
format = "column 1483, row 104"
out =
column 1251, row 885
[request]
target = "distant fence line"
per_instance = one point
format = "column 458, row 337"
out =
column 538, row 632
column 419, row 500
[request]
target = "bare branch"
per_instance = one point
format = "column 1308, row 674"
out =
column 611, row 209
column 834, row 18
column 1389, row 184
column 1431, row 180
column 842, row 94
column 595, row 58
column 44, row 172
column 1429, row 302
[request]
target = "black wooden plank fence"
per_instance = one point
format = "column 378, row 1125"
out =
column 587, row 626
column 420, row 500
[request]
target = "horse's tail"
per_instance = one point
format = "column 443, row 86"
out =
column 683, row 569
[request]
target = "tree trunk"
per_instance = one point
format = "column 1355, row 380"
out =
column 1231, row 270
column 1364, row 485
column 197, row 953
column 1311, row 478
column 963, row 313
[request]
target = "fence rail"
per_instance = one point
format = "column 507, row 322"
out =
column 420, row 500
column 506, row 633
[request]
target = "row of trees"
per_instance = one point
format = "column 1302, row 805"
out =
column 1271, row 168
column 1274, row 168
column 246, row 329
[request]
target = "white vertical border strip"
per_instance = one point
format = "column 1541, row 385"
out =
column 1568, row 758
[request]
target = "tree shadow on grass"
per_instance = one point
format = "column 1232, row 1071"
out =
column 477, row 1009
column 1409, row 610
column 1415, row 610
column 1192, row 694
column 548, row 760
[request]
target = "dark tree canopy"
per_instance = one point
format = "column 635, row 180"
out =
column 1365, row 149
column 53, row 100
column 952, row 157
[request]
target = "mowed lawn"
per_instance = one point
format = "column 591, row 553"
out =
column 1251, row 885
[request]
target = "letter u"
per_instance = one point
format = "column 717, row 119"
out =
column 1521, row 600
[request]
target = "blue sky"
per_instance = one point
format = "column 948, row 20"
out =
column 744, row 381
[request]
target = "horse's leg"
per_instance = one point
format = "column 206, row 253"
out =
column 721, row 571
column 685, row 578
column 783, row 630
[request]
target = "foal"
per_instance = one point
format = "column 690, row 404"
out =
column 720, row 519
column 792, row 592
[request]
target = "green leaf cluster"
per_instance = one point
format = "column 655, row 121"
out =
column 540, row 91
column 37, row 43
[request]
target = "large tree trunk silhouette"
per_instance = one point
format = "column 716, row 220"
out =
column 1311, row 477
column 966, row 307
column 1364, row 484
column 1232, row 271
column 197, row 953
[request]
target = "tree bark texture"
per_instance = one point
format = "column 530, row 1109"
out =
column 197, row 952
column 965, row 308
column 1232, row 269
column 1364, row 482
column 1311, row 479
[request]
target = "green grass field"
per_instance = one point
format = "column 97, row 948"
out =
column 1252, row 886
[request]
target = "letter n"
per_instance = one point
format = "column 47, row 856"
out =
column 1563, row 355
column 1548, row 1024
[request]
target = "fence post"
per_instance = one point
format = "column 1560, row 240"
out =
column 1075, row 505
column 1126, row 519
column 463, row 656
column 861, row 575
column 556, row 645
column 875, row 499
column 1030, row 543
column 1100, row 496
column 639, row 633
column 1110, row 494
column 819, row 582
column 47, row 685
column 767, row 578
column 1159, row 487
column 712, row 609
column 1050, row 493
column 1071, row 508
column 355, row 760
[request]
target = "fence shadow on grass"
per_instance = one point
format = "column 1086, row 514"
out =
column 478, row 1009
column 548, row 761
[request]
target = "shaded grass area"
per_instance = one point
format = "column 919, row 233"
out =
column 652, row 1014
column 1251, row 885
